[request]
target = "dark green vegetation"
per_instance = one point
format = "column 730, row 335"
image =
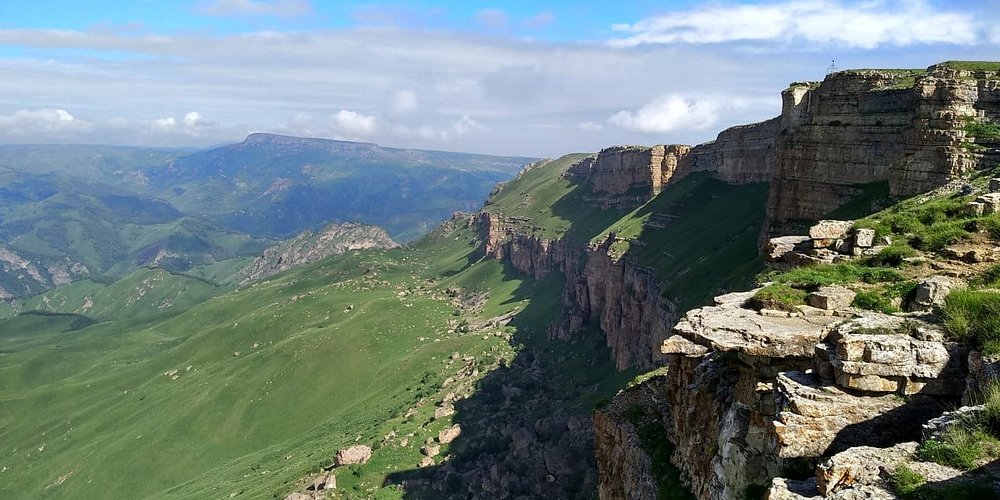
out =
column 653, row 439
column 789, row 289
column 974, row 315
column 699, row 234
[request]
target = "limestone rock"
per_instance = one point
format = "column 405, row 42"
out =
column 983, row 371
column 864, row 238
column 860, row 465
column 777, row 248
column 931, row 292
column 426, row 462
column 449, row 434
column 831, row 298
column 442, row 411
column 730, row 327
column 818, row 419
column 357, row 454
column 675, row 344
column 938, row 425
column 876, row 353
column 790, row 489
column 830, row 229
column 430, row 450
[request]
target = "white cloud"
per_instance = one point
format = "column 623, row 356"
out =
column 669, row 113
column 405, row 101
column 491, row 18
column 867, row 24
column 589, row 126
column 279, row 8
column 461, row 127
column 192, row 119
column 39, row 122
column 540, row 20
column 167, row 123
column 354, row 124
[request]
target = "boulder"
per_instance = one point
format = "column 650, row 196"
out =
column 878, row 353
column 445, row 410
column 864, row 238
column 815, row 415
column 991, row 202
column 831, row 298
column 426, row 462
column 983, row 371
column 975, row 209
column 730, row 327
column 430, row 450
column 994, row 184
column 859, row 466
column 675, row 344
column 830, row 229
column 357, row 454
column 931, row 292
column 776, row 248
column 449, row 434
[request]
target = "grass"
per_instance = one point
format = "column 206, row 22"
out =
column 982, row 130
column 906, row 481
column 974, row 315
column 961, row 447
column 272, row 379
column 973, row 65
column 708, row 240
column 812, row 277
column 779, row 296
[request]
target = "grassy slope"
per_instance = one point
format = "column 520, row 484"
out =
column 86, row 411
column 142, row 294
column 710, row 244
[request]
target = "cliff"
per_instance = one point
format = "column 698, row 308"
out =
column 745, row 394
column 309, row 247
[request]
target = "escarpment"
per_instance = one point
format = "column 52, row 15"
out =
column 749, row 393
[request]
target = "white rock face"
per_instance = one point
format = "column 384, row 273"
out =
column 831, row 229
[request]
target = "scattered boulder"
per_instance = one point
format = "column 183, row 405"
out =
column 777, row 248
column 830, row 229
column 983, row 371
column 426, row 462
column 931, row 292
column 861, row 465
column 991, row 202
column 864, row 238
column 442, row 411
column 430, row 450
column 357, row 454
column 831, row 298
column 449, row 434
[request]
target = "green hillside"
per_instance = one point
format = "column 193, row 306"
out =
column 250, row 391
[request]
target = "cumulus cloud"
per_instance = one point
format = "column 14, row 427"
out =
column 354, row 124
column 669, row 113
column 235, row 8
column 41, row 122
column 589, row 126
column 866, row 24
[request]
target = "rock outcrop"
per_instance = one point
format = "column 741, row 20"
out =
column 309, row 247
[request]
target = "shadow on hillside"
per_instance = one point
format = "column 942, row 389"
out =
column 526, row 429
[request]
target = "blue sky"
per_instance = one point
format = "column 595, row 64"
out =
column 532, row 78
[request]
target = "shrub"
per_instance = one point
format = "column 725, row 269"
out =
column 961, row 446
column 891, row 256
column 778, row 296
column 990, row 278
column 905, row 481
column 936, row 237
column 974, row 314
column 879, row 275
column 874, row 301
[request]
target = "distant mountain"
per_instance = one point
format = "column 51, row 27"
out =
column 69, row 212
column 309, row 247
column 55, row 229
column 277, row 186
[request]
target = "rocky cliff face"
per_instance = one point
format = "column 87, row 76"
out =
column 310, row 247
column 21, row 276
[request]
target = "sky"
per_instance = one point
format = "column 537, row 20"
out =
column 527, row 78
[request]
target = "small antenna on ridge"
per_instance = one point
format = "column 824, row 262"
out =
column 833, row 67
